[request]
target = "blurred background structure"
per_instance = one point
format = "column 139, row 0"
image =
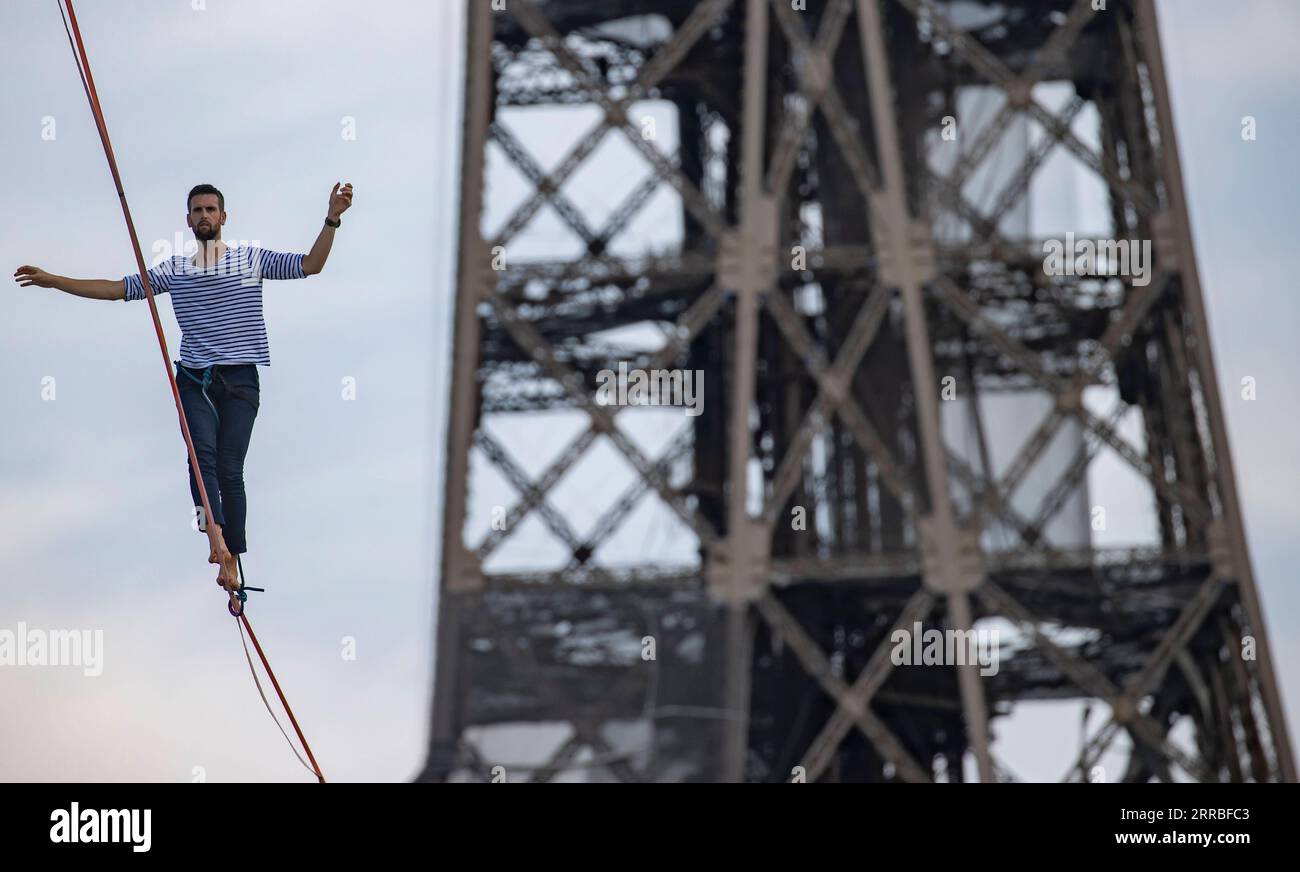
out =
column 836, row 212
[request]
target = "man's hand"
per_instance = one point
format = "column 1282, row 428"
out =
column 34, row 275
column 340, row 200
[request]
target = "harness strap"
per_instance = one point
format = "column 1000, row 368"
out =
column 211, row 374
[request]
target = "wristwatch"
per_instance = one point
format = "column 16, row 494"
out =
column 336, row 223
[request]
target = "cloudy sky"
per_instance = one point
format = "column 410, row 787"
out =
column 344, row 495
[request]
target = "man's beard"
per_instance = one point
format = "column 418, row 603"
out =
column 206, row 235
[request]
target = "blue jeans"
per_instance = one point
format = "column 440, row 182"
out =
column 220, row 404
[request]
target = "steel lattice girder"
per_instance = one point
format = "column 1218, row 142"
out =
column 881, row 198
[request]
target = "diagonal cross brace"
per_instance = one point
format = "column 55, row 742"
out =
column 791, row 326
column 1091, row 679
column 816, row 664
column 527, row 14
column 688, row 325
column 701, row 19
column 602, row 420
column 869, row 681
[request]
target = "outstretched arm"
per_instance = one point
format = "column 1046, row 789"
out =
column 340, row 200
column 92, row 289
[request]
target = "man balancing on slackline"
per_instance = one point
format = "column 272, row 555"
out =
column 217, row 299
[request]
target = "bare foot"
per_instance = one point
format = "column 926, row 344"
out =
column 232, row 583
column 225, row 562
column 232, row 572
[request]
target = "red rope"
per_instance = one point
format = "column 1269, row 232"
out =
column 315, row 770
column 88, row 82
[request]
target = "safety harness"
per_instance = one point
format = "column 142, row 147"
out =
column 211, row 373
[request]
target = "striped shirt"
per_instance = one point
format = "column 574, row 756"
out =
column 219, row 308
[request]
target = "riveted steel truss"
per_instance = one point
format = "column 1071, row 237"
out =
column 812, row 290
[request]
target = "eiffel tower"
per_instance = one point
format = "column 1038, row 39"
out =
column 910, row 420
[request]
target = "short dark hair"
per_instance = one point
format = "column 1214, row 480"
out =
column 205, row 189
